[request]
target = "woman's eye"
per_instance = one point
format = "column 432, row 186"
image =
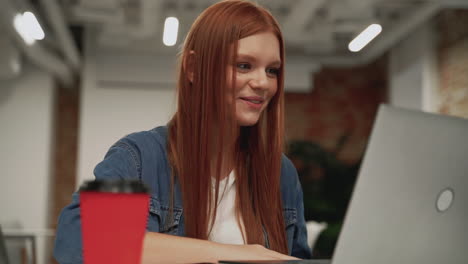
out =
column 273, row 71
column 243, row 66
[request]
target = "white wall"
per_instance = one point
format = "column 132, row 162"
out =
column 26, row 120
column 111, row 110
column 413, row 71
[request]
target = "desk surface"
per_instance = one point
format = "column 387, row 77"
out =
column 304, row 261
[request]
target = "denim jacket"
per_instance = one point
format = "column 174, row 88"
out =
column 143, row 156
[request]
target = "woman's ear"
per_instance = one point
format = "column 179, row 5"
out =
column 189, row 65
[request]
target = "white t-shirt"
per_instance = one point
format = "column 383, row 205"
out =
column 225, row 228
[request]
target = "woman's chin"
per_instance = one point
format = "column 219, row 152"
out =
column 247, row 121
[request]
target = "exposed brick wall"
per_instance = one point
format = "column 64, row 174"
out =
column 343, row 103
column 453, row 62
column 65, row 151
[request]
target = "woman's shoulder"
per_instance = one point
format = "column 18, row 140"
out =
column 147, row 139
column 290, row 184
column 287, row 168
column 137, row 155
column 286, row 162
column 289, row 177
column 143, row 145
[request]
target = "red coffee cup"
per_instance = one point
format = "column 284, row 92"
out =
column 113, row 221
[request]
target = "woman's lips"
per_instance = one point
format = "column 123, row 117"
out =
column 253, row 102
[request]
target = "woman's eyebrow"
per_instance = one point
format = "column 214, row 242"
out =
column 252, row 58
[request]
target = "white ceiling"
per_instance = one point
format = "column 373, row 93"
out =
column 314, row 30
column 311, row 27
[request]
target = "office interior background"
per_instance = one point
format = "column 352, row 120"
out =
column 90, row 72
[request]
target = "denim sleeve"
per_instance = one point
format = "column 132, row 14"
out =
column 300, row 248
column 121, row 161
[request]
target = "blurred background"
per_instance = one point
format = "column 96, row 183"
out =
column 77, row 75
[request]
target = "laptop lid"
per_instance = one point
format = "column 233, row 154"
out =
column 410, row 202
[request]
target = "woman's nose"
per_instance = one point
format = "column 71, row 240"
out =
column 259, row 80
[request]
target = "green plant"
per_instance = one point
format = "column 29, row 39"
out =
column 327, row 184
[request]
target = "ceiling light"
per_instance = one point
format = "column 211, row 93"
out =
column 366, row 36
column 28, row 27
column 35, row 28
column 171, row 28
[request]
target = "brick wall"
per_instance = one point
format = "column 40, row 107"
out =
column 453, row 62
column 65, row 151
column 342, row 105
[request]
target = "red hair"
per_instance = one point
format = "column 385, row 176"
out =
column 204, row 125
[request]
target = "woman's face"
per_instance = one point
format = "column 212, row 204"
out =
column 257, row 69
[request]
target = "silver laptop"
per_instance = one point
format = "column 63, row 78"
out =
column 410, row 202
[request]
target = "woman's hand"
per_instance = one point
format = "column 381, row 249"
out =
column 248, row 252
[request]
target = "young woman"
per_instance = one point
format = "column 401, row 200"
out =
column 221, row 187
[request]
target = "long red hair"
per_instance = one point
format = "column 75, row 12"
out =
column 204, row 125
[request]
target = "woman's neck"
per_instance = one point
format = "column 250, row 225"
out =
column 227, row 159
column 227, row 148
column 227, row 164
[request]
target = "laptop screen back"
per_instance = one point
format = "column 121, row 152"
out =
column 410, row 202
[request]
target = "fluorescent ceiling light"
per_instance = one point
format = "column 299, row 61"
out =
column 366, row 36
column 18, row 23
column 28, row 27
column 171, row 28
column 35, row 28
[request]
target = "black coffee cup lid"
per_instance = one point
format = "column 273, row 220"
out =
column 114, row 186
